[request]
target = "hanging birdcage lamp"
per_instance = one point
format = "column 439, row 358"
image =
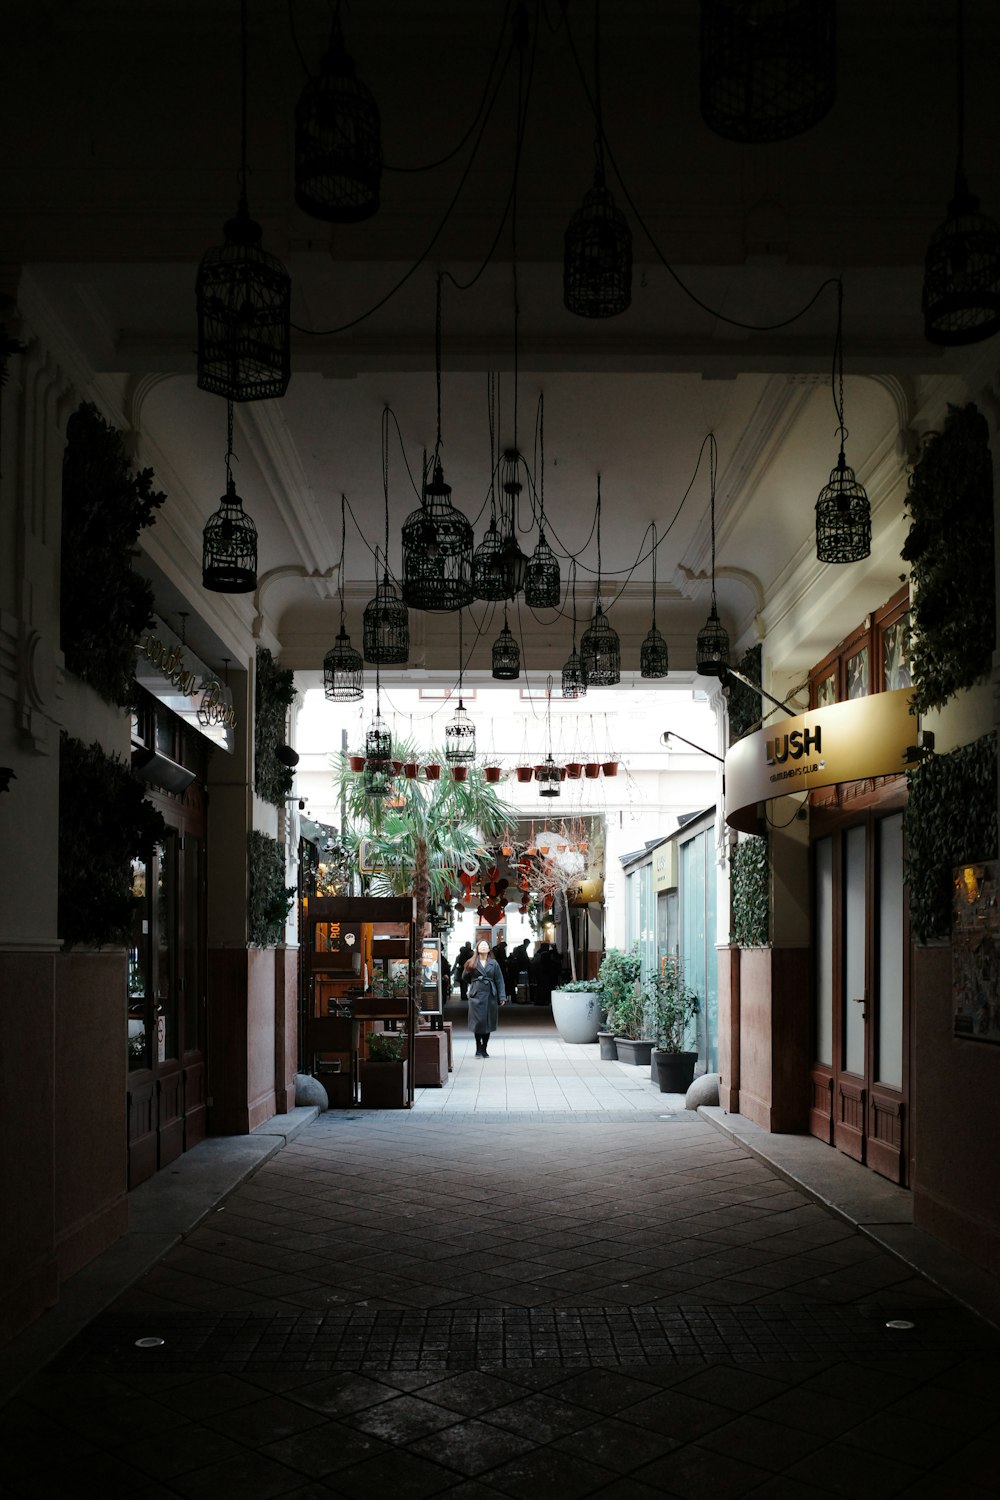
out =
column 343, row 669
column 506, row 655
column 386, row 621
column 229, row 540
column 542, row 580
column 378, row 740
column 600, row 648
column 243, row 297
column 768, row 67
column 653, row 660
column 386, row 627
column 712, row 645
column 489, row 580
column 338, row 141
column 961, row 292
column 460, row 732
column 574, row 683
column 843, row 512
column 597, row 247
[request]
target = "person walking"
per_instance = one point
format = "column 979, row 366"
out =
column 500, row 954
column 517, row 967
column 486, row 993
column 464, row 954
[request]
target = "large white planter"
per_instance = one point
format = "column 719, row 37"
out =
column 577, row 1014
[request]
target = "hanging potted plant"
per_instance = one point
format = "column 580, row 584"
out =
column 671, row 1005
column 356, row 762
column 410, row 769
column 492, row 773
column 592, row 769
column 610, row 767
column 524, row 773
column 574, row 769
column 433, row 771
column 459, row 773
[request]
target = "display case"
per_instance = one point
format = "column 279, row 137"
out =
column 358, row 961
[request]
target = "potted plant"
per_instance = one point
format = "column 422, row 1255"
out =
column 628, row 1021
column 383, row 1072
column 671, row 1005
column 617, row 979
column 576, row 1010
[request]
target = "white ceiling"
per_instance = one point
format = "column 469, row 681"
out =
column 123, row 169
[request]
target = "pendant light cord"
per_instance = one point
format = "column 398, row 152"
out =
column 654, row 574
column 598, row 115
column 837, row 372
column 960, row 101
column 243, row 101
column 713, row 467
column 343, row 548
column 229, row 443
column 437, row 364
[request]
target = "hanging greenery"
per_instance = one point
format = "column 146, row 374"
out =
column 744, row 703
column 950, row 550
column 950, row 819
column 104, row 823
column 750, row 914
column 270, row 899
column 275, row 692
column 105, row 605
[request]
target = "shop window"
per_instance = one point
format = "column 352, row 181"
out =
column 896, row 654
column 874, row 658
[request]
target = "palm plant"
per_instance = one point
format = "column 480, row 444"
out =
column 422, row 836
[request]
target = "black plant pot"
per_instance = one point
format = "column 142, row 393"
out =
column 609, row 1051
column 673, row 1071
column 636, row 1052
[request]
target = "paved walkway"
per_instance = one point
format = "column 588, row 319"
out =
column 520, row 1300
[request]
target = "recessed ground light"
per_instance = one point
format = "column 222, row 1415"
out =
column 148, row 1343
column 900, row 1323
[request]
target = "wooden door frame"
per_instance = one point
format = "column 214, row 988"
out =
column 863, row 1118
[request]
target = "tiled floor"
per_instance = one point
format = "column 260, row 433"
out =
column 540, row 1293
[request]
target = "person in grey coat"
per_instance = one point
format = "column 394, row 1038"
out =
column 486, row 994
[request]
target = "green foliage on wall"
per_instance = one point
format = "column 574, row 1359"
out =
column 270, row 899
column 275, row 691
column 950, row 818
column 744, row 703
column 950, row 549
column 104, row 823
column 750, row 915
column 105, row 605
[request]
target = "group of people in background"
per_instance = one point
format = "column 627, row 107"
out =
column 525, row 976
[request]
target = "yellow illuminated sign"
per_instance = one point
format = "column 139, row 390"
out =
column 839, row 742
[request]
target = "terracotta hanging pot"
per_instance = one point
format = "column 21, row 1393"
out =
column 591, row 770
column 459, row 773
column 492, row 773
column 574, row 769
column 397, row 766
column 410, row 769
column 524, row 773
column 610, row 768
column 544, row 848
column 356, row 762
column 506, row 850
column 433, row 771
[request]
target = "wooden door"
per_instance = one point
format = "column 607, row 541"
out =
column 166, row 1092
column 860, row 1075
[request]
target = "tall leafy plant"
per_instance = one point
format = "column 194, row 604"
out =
column 950, row 818
column 104, row 823
column 273, row 696
column 750, row 894
column 950, row 550
column 270, row 899
column 419, row 838
column 105, row 605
